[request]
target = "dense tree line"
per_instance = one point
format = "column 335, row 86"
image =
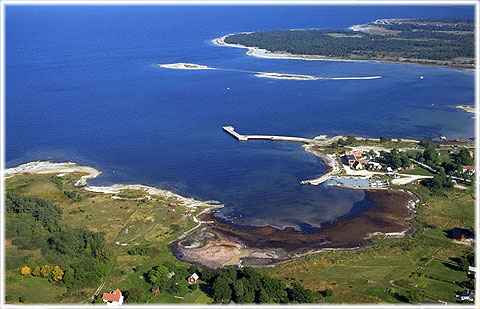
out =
column 412, row 41
column 395, row 159
column 43, row 211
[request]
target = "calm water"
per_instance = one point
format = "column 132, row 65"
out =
column 81, row 85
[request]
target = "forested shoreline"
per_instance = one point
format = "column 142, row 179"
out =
column 447, row 42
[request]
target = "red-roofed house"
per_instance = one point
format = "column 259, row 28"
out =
column 113, row 299
column 468, row 168
column 357, row 153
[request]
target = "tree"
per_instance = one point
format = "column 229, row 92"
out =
column 300, row 295
column 221, row 290
column 463, row 264
column 68, row 277
column 430, row 155
column 438, row 182
column 36, row 271
column 413, row 297
column 328, row 292
column 57, row 273
column 46, row 271
column 25, row 270
column 463, row 157
column 350, row 140
column 238, row 291
column 383, row 139
column 263, row 297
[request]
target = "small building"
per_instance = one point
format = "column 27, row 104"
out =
column 173, row 205
column 171, row 274
column 374, row 166
column 472, row 270
column 193, row 278
column 356, row 153
column 155, row 290
column 171, row 210
column 358, row 165
column 113, row 299
column 458, row 234
column 470, row 169
column 468, row 295
column 348, row 160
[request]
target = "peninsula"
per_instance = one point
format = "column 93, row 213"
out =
column 440, row 42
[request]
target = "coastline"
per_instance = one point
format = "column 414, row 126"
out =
column 213, row 243
column 263, row 53
column 216, row 244
column 49, row 167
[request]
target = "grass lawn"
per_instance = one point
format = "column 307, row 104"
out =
column 197, row 297
column 17, row 286
column 417, row 170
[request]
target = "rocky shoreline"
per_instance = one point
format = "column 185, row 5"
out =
column 216, row 244
column 213, row 243
column 48, row 167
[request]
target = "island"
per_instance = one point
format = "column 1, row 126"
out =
column 184, row 66
column 445, row 42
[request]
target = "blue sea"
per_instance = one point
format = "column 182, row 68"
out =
column 82, row 85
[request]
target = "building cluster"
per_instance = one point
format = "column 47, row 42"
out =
column 356, row 160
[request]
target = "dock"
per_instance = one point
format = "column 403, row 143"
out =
column 243, row 138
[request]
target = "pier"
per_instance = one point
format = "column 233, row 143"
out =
column 243, row 138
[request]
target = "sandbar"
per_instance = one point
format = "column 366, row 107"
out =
column 285, row 76
column 184, row 66
column 467, row 108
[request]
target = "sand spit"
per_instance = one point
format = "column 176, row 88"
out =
column 263, row 53
column 184, row 66
column 351, row 78
column 466, row 108
column 285, row 76
column 47, row 167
